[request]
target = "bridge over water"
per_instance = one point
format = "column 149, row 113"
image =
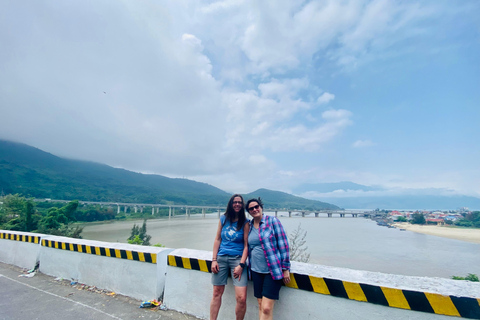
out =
column 176, row 209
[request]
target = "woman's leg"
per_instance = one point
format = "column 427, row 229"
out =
column 216, row 301
column 259, row 308
column 267, row 309
column 241, row 297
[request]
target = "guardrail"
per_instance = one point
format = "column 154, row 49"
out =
column 182, row 277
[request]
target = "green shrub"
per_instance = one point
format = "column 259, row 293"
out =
column 464, row 223
column 471, row 277
column 159, row 245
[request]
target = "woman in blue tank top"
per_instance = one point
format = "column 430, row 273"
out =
column 230, row 252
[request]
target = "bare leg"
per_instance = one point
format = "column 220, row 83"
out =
column 259, row 308
column 216, row 301
column 267, row 309
column 241, row 297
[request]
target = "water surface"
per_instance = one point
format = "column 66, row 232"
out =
column 355, row 243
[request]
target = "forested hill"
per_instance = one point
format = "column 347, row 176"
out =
column 34, row 173
column 277, row 199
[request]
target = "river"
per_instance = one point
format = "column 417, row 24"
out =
column 355, row 243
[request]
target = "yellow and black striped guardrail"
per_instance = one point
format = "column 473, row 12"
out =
column 190, row 263
column 20, row 237
column 102, row 251
column 397, row 298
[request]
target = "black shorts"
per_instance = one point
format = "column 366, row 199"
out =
column 265, row 286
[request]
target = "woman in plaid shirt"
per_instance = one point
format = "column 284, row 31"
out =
column 269, row 257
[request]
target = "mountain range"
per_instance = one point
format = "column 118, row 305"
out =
column 351, row 195
column 34, row 173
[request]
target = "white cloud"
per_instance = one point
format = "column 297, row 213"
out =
column 268, row 119
column 379, row 193
column 339, row 115
column 221, row 6
column 278, row 36
column 325, row 98
column 363, row 144
column 212, row 90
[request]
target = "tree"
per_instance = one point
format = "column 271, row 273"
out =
column 418, row 218
column 298, row 249
column 471, row 219
column 11, row 212
column 473, row 216
column 29, row 211
column 135, row 240
column 69, row 210
column 58, row 221
column 18, row 213
column 139, row 235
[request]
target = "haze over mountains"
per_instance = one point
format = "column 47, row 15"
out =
column 33, row 172
column 356, row 196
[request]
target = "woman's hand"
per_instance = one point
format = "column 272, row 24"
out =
column 237, row 272
column 215, row 266
column 286, row 276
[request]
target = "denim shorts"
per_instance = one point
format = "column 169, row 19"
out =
column 226, row 264
column 265, row 286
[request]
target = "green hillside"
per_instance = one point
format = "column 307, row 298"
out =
column 277, row 199
column 34, row 173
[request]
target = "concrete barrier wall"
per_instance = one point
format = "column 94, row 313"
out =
column 134, row 271
column 21, row 249
column 183, row 275
column 320, row 292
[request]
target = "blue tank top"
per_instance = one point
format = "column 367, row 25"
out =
column 232, row 239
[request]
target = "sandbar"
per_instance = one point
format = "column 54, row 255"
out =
column 463, row 234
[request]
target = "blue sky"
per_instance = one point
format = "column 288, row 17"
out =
column 249, row 94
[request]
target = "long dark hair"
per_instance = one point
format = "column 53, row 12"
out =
column 230, row 213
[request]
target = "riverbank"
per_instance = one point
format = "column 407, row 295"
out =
column 463, row 234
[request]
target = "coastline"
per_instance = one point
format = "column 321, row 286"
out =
column 462, row 234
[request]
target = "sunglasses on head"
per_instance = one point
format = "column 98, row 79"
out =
column 254, row 207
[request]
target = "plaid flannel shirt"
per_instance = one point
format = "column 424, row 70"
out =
column 274, row 244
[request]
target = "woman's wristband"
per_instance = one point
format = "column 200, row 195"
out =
column 214, row 259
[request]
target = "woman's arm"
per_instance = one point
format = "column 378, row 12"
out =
column 238, row 269
column 282, row 243
column 216, row 246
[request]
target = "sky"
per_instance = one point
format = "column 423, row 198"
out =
column 251, row 94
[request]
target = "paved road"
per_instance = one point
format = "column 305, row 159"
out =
column 43, row 298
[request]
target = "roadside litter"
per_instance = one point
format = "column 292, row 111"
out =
column 153, row 304
column 149, row 304
column 28, row 275
column 37, row 265
column 81, row 286
column 32, row 272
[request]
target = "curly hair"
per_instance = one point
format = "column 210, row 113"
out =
column 258, row 200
